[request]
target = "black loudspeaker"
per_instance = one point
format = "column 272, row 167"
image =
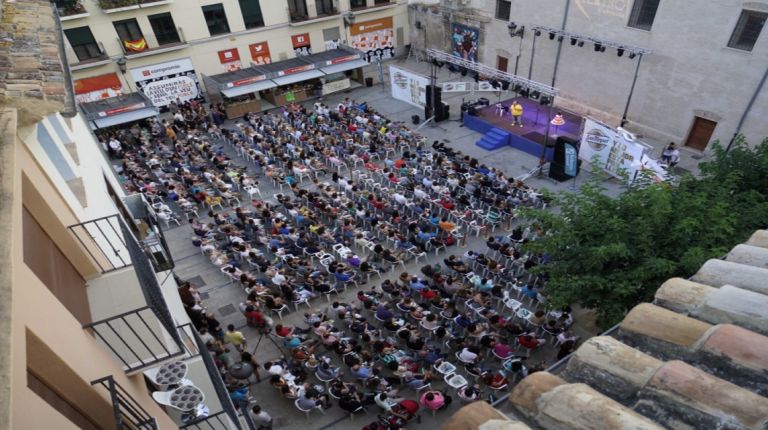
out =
column 557, row 166
column 438, row 95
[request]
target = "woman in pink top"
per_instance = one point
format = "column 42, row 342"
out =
column 432, row 400
column 502, row 350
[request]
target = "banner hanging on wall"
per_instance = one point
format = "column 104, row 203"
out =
column 163, row 83
column 97, row 88
column 260, row 53
column 230, row 59
column 376, row 38
column 408, row 86
column 301, row 44
column 464, row 41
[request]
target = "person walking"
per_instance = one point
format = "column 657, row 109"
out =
column 262, row 419
column 517, row 113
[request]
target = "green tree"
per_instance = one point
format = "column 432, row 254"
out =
column 610, row 254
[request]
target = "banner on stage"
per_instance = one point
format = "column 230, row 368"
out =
column 408, row 86
column 617, row 152
column 571, row 160
column 456, row 87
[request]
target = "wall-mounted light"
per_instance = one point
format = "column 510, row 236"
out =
column 122, row 64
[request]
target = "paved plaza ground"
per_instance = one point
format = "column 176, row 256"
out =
column 222, row 297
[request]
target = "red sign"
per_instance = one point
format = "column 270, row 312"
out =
column 260, row 53
column 342, row 59
column 98, row 83
column 300, row 40
column 229, row 56
column 246, row 81
column 296, row 69
column 122, row 109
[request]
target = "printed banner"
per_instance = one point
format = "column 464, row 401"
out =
column 163, row 83
column 571, row 160
column 464, row 41
column 375, row 38
column 230, row 59
column 616, row 151
column 97, row 88
column 301, row 44
column 260, row 53
column 408, row 86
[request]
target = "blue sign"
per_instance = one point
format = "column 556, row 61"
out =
column 571, row 160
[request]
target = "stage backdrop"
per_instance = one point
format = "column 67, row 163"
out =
column 164, row 82
column 408, row 86
column 464, row 41
column 375, row 38
column 616, row 151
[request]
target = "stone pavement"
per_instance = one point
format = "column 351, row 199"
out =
column 222, row 297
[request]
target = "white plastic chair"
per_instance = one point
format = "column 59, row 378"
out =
column 308, row 411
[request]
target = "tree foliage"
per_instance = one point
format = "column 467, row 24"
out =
column 610, row 254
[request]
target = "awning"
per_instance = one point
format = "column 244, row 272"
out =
column 343, row 67
column 298, row 77
column 248, row 89
column 123, row 118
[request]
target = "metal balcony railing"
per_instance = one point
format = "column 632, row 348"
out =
column 153, row 42
column 326, row 8
column 69, row 7
column 116, row 4
column 297, row 9
column 138, row 339
column 129, row 414
column 102, row 240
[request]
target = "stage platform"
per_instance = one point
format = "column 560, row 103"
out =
column 531, row 136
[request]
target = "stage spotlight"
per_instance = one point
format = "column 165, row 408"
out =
column 620, row 52
column 632, row 55
column 581, row 43
column 477, row 77
column 494, row 83
column 559, row 38
column 602, row 49
column 525, row 92
column 535, row 95
column 453, row 68
column 597, row 47
column 438, row 64
column 545, row 101
column 551, row 35
column 517, row 88
column 573, row 41
column 537, row 32
column 463, row 71
column 505, row 85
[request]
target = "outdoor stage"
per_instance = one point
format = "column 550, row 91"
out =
column 532, row 135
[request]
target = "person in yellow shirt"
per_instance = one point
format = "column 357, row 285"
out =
column 517, row 113
column 235, row 338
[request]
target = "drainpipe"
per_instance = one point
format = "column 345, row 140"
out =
column 560, row 43
column 70, row 108
column 746, row 111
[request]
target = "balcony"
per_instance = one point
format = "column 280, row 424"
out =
column 94, row 56
column 113, row 6
column 71, row 9
column 319, row 10
column 129, row 415
column 152, row 44
column 325, row 8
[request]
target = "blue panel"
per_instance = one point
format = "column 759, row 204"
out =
column 53, row 152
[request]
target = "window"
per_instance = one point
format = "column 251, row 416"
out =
column 164, row 28
column 297, row 9
column 747, row 30
column 643, row 14
column 128, row 30
column 324, row 7
column 503, row 9
column 251, row 13
column 216, row 19
column 381, row 1
column 357, row 4
column 56, row 401
column 83, row 43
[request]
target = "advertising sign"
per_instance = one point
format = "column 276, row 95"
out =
column 571, row 160
column 408, row 86
column 617, row 152
column 375, row 38
column 464, row 41
column 97, row 88
column 260, row 53
column 163, row 83
column 230, row 59
column 301, row 44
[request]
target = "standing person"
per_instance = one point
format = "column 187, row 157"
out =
column 262, row 419
column 517, row 113
column 234, row 338
column 671, row 155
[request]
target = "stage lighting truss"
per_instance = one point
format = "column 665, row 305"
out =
column 489, row 73
column 600, row 44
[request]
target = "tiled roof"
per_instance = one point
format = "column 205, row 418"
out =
column 696, row 358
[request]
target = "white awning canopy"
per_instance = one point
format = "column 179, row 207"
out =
column 343, row 67
column 248, row 89
column 123, row 118
column 298, row 77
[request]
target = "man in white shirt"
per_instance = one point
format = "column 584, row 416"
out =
column 420, row 194
column 262, row 419
column 278, row 279
column 399, row 198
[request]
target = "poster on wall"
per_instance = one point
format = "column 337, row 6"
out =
column 408, row 86
column 97, row 88
column 163, row 83
column 375, row 38
column 301, row 44
column 230, row 59
column 615, row 151
column 464, row 41
column 260, row 53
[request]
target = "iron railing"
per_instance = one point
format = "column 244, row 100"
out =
column 128, row 412
column 102, row 240
column 216, row 421
column 137, row 338
column 154, row 42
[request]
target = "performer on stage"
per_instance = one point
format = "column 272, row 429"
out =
column 517, row 113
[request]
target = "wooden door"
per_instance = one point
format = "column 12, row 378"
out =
column 700, row 134
column 501, row 63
